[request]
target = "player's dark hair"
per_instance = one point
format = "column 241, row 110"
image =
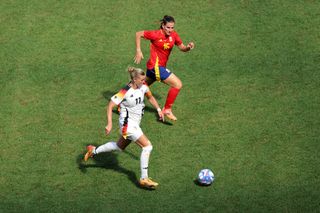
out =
column 165, row 20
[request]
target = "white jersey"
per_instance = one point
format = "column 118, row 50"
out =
column 131, row 102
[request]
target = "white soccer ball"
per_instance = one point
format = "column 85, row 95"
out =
column 205, row 177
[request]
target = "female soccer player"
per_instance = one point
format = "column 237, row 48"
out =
column 131, row 101
column 162, row 42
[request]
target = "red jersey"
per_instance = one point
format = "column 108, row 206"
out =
column 160, row 47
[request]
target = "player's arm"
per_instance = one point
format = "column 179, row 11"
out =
column 155, row 104
column 110, row 106
column 185, row 48
column 139, row 56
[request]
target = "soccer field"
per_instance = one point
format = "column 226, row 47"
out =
column 249, row 108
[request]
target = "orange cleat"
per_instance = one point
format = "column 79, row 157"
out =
column 148, row 183
column 168, row 113
column 89, row 154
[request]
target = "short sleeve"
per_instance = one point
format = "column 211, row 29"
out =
column 150, row 34
column 118, row 98
column 147, row 91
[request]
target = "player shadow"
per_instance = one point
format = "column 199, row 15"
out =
column 108, row 94
column 108, row 161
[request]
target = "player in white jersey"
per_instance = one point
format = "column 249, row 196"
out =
column 131, row 102
column 131, row 110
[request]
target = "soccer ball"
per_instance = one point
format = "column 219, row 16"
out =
column 205, row 177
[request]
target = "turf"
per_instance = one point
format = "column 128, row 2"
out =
column 249, row 108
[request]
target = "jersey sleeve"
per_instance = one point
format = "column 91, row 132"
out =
column 118, row 98
column 147, row 91
column 150, row 34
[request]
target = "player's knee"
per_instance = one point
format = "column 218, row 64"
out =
column 147, row 148
column 177, row 84
column 120, row 147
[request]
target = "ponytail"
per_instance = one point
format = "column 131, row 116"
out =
column 134, row 72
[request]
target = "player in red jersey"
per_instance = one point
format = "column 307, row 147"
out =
column 162, row 42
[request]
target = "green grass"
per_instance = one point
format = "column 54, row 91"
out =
column 249, row 108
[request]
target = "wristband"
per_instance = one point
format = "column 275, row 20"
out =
column 158, row 109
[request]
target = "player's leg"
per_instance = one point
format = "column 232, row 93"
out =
column 163, row 74
column 150, row 77
column 146, row 147
column 149, row 81
column 123, row 143
column 175, row 86
column 113, row 146
column 107, row 147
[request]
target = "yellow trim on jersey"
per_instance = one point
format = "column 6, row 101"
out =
column 156, row 69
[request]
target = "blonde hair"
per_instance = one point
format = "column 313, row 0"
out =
column 135, row 72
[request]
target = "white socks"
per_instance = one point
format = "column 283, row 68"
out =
column 107, row 147
column 144, row 160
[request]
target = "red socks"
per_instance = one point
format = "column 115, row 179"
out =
column 172, row 94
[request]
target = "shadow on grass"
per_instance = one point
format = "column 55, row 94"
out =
column 108, row 161
column 108, row 94
column 153, row 110
column 196, row 182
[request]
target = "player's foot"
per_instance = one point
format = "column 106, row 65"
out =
column 168, row 113
column 89, row 154
column 148, row 183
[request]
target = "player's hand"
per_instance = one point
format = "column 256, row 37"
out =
column 190, row 45
column 138, row 57
column 161, row 116
column 108, row 129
